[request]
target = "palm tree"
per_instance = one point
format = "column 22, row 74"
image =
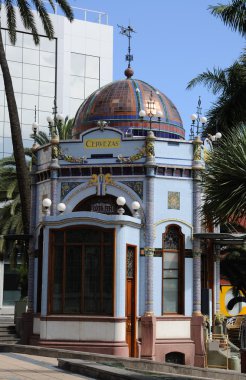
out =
column 10, row 210
column 24, row 8
column 230, row 85
column 223, row 180
column 64, row 129
column 233, row 15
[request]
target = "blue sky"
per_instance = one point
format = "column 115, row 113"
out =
column 174, row 41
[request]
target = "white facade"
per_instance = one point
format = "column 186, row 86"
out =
column 73, row 65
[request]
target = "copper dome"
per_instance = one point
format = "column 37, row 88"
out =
column 119, row 104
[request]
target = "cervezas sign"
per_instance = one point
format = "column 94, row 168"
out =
column 102, row 143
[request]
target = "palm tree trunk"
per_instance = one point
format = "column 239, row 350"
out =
column 18, row 148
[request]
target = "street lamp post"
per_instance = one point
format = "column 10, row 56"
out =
column 151, row 111
column 198, row 121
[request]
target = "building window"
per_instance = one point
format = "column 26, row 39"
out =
column 172, row 269
column 81, row 268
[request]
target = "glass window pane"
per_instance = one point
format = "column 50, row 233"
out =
column 47, row 59
column 170, row 294
column 30, row 86
column 7, row 130
column 2, row 99
column 19, row 39
column 92, row 301
column 27, row 116
column 170, row 273
column 28, row 42
column 78, row 64
column 46, row 104
column 29, row 102
column 17, row 84
column 30, row 71
column 76, row 87
column 14, row 53
column 1, row 128
column 57, row 280
column 170, row 260
column 91, row 85
column 47, row 89
column 73, row 280
column 42, row 118
column 59, row 237
column 27, row 143
column 8, row 147
column 92, row 67
column 107, row 307
column 2, row 109
column 26, row 130
column 15, row 69
column 74, row 106
column 47, row 45
column 30, row 56
column 47, row 74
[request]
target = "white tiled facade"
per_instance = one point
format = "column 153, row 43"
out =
column 78, row 61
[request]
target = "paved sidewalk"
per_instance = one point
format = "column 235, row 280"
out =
column 23, row 367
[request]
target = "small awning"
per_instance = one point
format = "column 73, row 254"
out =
column 222, row 238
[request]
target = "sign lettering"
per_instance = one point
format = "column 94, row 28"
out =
column 101, row 143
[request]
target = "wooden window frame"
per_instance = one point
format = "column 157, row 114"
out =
column 181, row 273
column 51, row 266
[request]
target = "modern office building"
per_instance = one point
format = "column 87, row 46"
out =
column 78, row 61
column 69, row 68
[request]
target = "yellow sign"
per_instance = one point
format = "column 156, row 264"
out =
column 101, row 143
column 226, row 295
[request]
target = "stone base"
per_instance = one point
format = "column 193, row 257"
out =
column 26, row 328
column 148, row 333
column 180, row 346
column 197, row 335
column 107, row 348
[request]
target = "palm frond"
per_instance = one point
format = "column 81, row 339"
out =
column 215, row 80
column 28, row 19
column 11, row 20
column 223, row 180
column 66, row 9
column 233, row 15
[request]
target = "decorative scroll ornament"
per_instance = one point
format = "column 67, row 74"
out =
column 135, row 157
column 69, row 158
column 101, row 181
column 148, row 150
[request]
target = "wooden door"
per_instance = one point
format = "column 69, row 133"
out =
column 131, row 287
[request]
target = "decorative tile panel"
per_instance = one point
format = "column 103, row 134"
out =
column 66, row 187
column 174, row 200
column 136, row 186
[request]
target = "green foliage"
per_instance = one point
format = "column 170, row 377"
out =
column 64, row 130
column 224, row 179
column 233, row 15
column 25, row 10
column 230, row 85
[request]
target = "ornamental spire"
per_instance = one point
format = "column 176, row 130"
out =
column 129, row 57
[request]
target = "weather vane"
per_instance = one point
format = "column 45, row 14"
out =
column 128, row 33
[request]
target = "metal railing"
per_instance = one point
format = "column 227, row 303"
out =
column 82, row 14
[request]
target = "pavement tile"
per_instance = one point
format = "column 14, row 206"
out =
column 28, row 367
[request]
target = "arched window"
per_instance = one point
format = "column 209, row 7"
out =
column 173, row 270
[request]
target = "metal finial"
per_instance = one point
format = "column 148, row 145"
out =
column 35, row 114
column 128, row 33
